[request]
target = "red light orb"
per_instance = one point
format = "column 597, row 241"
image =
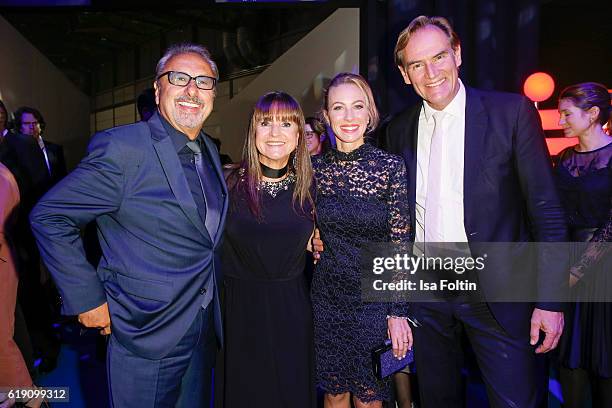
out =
column 539, row 86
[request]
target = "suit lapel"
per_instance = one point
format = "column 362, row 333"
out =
column 476, row 122
column 173, row 170
column 411, row 135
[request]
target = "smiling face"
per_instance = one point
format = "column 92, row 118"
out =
column 432, row 66
column 573, row 120
column 348, row 115
column 275, row 140
column 185, row 108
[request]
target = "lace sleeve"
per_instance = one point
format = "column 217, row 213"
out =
column 399, row 227
column 399, row 213
column 598, row 247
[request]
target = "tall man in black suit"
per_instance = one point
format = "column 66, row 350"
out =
column 479, row 171
column 157, row 194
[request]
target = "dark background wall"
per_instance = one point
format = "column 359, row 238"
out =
column 503, row 42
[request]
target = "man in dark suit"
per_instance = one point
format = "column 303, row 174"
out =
column 479, row 171
column 46, row 160
column 157, row 193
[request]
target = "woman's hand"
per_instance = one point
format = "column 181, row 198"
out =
column 401, row 336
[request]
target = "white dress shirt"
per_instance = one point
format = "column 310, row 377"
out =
column 451, row 204
column 41, row 144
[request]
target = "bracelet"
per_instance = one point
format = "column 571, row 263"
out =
column 577, row 275
column 412, row 320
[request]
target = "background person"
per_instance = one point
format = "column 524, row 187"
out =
column 584, row 177
column 145, row 104
column 316, row 139
column 13, row 370
column 361, row 199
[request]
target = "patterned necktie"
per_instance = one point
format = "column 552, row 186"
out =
column 205, row 175
column 433, row 210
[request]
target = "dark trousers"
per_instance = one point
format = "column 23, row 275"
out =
column 508, row 364
column 180, row 379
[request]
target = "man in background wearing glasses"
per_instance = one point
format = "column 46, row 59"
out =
column 156, row 192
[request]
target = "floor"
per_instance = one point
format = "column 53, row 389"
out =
column 81, row 367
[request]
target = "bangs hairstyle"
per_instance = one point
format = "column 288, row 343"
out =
column 280, row 106
column 588, row 94
column 417, row 24
column 361, row 83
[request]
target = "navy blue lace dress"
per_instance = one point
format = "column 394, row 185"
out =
column 361, row 198
column 585, row 184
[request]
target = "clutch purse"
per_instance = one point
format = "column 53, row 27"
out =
column 385, row 364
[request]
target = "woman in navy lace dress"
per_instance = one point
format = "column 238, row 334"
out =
column 361, row 199
column 584, row 174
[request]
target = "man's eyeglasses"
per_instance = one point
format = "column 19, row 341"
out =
column 203, row 82
column 30, row 123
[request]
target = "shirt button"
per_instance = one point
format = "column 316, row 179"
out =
column 202, row 291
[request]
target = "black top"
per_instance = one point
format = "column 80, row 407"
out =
column 268, row 323
column 585, row 185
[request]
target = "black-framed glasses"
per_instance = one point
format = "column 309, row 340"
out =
column 177, row 78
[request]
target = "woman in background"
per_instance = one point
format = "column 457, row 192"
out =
column 361, row 199
column 584, row 175
column 317, row 141
column 13, row 370
column 268, row 320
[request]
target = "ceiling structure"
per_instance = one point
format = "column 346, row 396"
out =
column 82, row 40
column 91, row 44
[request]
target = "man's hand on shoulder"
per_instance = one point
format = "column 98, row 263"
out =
column 97, row 318
column 551, row 323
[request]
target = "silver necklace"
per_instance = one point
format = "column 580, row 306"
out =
column 274, row 187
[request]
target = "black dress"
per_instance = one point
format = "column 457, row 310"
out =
column 269, row 360
column 585, row 185
column 361, row 199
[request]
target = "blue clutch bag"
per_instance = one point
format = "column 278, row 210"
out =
column 385, row 364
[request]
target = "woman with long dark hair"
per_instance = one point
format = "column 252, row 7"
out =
column 268, row 345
